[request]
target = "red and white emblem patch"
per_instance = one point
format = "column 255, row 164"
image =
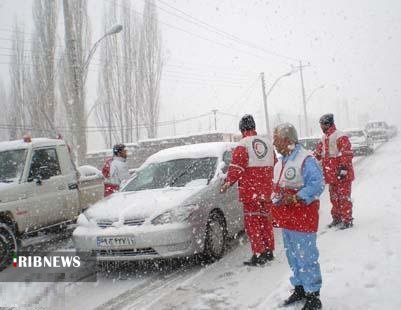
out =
column 260, row 148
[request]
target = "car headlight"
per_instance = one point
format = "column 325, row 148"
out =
column 177, row 215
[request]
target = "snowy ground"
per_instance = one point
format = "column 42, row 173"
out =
column 361, row 266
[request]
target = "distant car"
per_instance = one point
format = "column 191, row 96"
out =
column 360, row 142
column 378, row 131
column 171, row 207
column 393, row 131
column 309, row 143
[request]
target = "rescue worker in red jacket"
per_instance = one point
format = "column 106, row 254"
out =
column 335, row 153
column 252, row 166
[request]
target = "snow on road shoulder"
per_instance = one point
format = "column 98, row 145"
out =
column 361, row 267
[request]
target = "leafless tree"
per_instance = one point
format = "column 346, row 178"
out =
column 77, row 38
column 150, row 67
column 116, row 105
column 5, row 112
column 130, row 57
column 42, row 77
column 19, row 119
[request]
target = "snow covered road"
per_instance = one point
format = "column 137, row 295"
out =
column 361, row 267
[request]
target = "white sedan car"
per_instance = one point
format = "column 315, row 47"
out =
column 172, row 207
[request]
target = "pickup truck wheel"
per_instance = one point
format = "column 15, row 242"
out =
column 8, row 245
column 215, row 241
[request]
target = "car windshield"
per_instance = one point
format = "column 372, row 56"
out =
column 12, row 165
column 176, row 173
column 309, row 144
column 356, row 133
column 375, row 125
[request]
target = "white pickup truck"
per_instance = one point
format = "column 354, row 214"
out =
column 40, row 187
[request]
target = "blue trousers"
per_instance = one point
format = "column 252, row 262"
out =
column 303, row 255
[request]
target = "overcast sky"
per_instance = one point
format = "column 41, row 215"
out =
column 352, row 48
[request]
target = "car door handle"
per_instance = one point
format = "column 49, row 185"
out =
column 72, row 186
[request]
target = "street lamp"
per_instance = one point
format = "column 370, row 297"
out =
column 265, row 95
column 307, row 100
column 113, row 30
column 313, row 91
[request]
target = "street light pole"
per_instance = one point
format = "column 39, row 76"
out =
column 113, row 30
column 262, row 77
column 215, row 120
column 265, row 95
column 313, row 91
column 303, row 98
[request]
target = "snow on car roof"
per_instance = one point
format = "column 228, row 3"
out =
column 353, row 129
column 200, row 150
column 36, row 142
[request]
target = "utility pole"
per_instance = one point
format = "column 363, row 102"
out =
column 215, row 119
column 109, row 123
column 347, row 115
column 262, row 77
column 304, row 99
column 174, row 129
column 76, row 76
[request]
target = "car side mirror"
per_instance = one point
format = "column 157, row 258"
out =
column 222, row 169
column 37, row 179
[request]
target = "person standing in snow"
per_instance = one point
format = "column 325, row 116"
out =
column 252, row 166
column 335, row 153
column 118, row 170
column 298, row 183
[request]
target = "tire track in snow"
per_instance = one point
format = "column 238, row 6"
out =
column 151, row 291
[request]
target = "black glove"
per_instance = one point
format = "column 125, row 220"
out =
column 342, row 172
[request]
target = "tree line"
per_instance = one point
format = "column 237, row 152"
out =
column 48, row 71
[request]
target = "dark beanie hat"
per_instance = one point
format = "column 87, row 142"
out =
column 327, row 119
column 247, row 123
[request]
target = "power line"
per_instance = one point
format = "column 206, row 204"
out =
column 218, row 31
column 181, row 64
column 194, row 34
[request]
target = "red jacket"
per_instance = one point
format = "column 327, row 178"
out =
column 254, row 182
column 297, row 216
column 335, row 153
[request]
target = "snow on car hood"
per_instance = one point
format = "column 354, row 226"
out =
column 140, row 204
column 4, row 187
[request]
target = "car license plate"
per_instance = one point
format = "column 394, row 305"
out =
column 115, row 241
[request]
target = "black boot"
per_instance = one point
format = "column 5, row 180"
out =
column 253, row 261
column 334, row 223
column 266, row 256
column 297, row 295
column 312, row 301
column 259, row 260
column 345, row 225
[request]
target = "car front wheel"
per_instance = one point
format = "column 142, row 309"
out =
column 216, row 234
